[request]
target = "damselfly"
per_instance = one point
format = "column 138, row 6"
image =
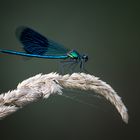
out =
column 36, row 45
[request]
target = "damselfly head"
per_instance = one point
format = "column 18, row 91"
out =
column 85, row 57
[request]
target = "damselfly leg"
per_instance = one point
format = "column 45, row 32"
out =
column 64, row 65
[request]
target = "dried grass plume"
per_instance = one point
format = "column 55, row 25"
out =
column 41, row 86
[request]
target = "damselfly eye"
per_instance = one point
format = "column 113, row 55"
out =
column 85, row 57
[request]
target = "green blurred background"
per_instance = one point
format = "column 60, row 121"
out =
column 109, row 33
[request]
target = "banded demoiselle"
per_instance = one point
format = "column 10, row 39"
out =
column 36, row 45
